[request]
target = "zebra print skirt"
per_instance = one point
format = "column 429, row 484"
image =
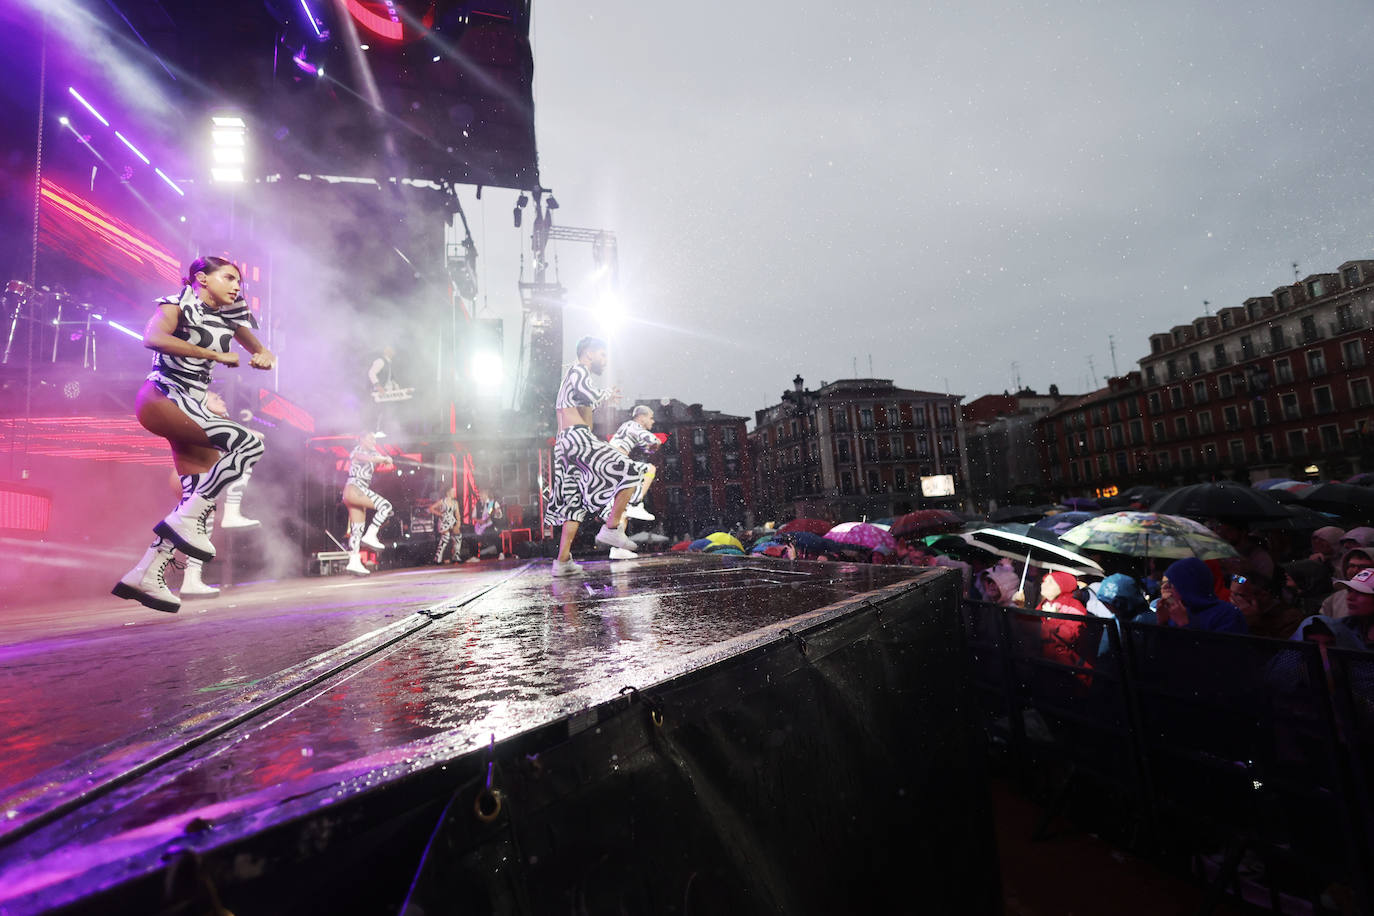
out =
column 587, row 475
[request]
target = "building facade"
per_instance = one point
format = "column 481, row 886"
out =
column 1277, row 387
column 855, row 448
column 1097, row 443
column 705, row 478
column 1005, row 460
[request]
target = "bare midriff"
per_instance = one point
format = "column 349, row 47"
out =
column 574, row 416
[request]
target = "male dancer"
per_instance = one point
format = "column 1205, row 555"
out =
column 589, row 477
column 633, row 434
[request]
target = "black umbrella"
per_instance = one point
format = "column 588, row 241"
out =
column 1036, row 547
column 1340, row 498
column 1220, row 500
column 1018, row 513
column 1300, row 518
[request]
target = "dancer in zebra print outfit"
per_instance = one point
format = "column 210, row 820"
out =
column 358, row 496
column 589, row 477
column 446, row 511
column 191, row 332
column 634, row 435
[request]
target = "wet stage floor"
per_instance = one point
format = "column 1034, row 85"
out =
column 118, row 726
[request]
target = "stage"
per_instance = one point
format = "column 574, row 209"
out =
column 282, row 734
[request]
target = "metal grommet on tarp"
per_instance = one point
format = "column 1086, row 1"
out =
column 487, row 805
column 795, row 637
column 655, row 705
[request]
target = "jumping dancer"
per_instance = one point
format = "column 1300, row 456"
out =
column 634, row 434
column 191, row 332
column 589, row 477
column 447, row 510
column 359, row 497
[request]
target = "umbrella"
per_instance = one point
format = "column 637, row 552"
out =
column 699, row 545
column 1143, row 493
column 681, row 545
column 1341, row 498
column 1219, row 500
column 869, row 536
column 722, row 539
column 1079, row 503
column 1018, row 513
column 926, row 521
column 1271, row 482
column 957, row 546
column 1149, row 534
column 883, row 522
column 807, row 542
column 813, row 525
column 1361, row 480
column 1301, row 519
column 1058, row 524
column 1034, row 547
column 726, row 549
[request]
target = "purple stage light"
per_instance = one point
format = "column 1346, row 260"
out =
column 305, row 65
column 89, row 107
column 172, row 184
column 119, row 327
column 311, row 18
column 132, row 147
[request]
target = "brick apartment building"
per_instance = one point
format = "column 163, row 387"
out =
column 1004, row 456
column 705, row 476
column 1279, row 386
column 855, row 447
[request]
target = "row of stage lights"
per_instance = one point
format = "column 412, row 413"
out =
column 228, row 144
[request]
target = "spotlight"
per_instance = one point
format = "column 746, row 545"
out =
column 488, row 368
column 552, row 202
column 437, row 58
column 228, row 152
column 364, row 47
column 64, row 121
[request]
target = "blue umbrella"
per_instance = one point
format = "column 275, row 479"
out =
column 1058, row 524
column 699, row 545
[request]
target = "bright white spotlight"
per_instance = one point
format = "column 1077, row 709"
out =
column 610, row 311
column 64, row 121
column 488, row 369
column 228, row 149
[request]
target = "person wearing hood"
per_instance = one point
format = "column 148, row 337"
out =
column 1121, row 597
column 1326, row 545
column 1357, row 537
column 1059, row 638
column 1336, row 604
column 1359, row 605
column 1187, row 600
column 998, row 584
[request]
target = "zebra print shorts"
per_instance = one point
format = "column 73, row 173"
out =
column 587, row 475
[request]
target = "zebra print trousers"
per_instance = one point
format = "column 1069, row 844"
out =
column 241, row 446
column 587, row 475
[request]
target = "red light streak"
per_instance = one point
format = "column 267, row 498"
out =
column 377, row 25
column 117, row 439
column 74, row 220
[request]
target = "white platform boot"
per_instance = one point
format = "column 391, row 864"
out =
column 233, row 516
column 146, row 583
column 185, row 526
column 192, row 585
column 370, row 537
column 355, row 564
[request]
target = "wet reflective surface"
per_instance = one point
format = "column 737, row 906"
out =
column 315, row 726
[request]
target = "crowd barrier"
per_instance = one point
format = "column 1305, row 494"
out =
column 1199, row 747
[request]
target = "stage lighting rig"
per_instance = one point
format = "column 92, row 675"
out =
column 228, row 149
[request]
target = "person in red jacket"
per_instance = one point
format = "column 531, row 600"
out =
column 1059, row 638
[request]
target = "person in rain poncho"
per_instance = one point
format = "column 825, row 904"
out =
column 1187, row 599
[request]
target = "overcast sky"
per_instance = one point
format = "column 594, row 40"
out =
column 950, row 188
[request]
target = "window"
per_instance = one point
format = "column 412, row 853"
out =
column 1137, row 432
column 1331, row 438
column 1288, row 405
column 866, row 418
column 846, row 482
column 839, row 418
column 1194, row 363
column 1171, row 367
column 875, row 484
column 944, row 415
column 1315, row 289
column 1199, row 392
column 1283, row 298
column 922, row 447
column 870, row 449
column 1117, row 436
column 1209, row 454
column 731, row 464
column 1122, row 467
column 1277, row 341
column 1104, row 466
column 1297, row 442
column 796, row 454
column 897, row 447
column 1073, row 472
column 1237, row 449
column 1225, row 385
column 701, row 502
column 1345, row 318
column 1321, row 400
column 1157, row 429
column 899, row 479
column 675, row 499
column 1351, row 277
column 1259, row 409
column 947, row 445
column 1219, row 358
column 1114, row 411
column 734, row 498
column 1176, row 398
column 1225, row 320
column 701, row 464
column 1252, row 310
column 729, row 435
column 1266, row 447
column 1099, row 442
column 672, row 465
column 1156, row 403
column 918, row 416
column 1352, row 353
column 1181, row 427
column 698, row 437
column 1185, row 457
column 1162, row 460
column 1247, row 346
column 842, row 449
column 1204, row 422
column 1359, row 393
column 1309, row 329
column 1283, row 371
column 1150, row 375
column 1230, row 418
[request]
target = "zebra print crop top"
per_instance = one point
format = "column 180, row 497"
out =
column 360, row 466
column 577, row 389
column 202, row 326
